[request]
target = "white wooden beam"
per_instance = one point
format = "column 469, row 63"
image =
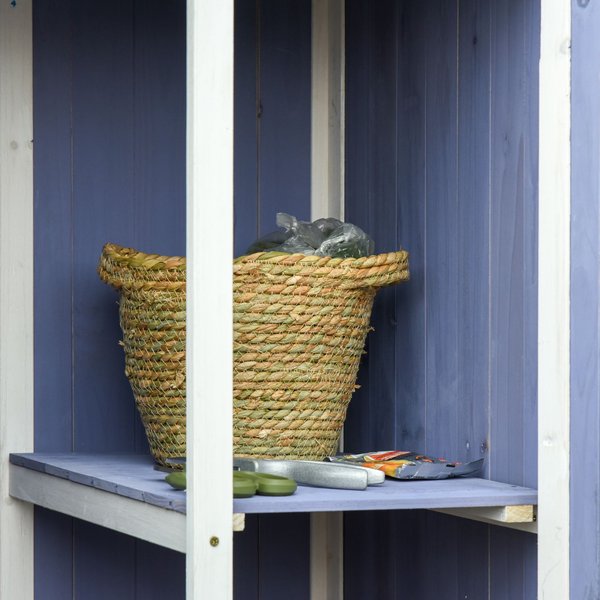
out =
column 328, row 103
column 521, row 517
column 327, row 200
column 16, row 290
column 209, row 298
column 147, row 522
column 554, row 300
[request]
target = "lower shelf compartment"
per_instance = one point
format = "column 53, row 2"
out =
column 126, row 493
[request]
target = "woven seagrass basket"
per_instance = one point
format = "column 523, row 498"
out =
column 299, row 324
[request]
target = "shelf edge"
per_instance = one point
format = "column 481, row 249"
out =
column 141, row 520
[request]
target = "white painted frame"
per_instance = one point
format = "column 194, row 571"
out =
column 210, row 34
column 16, row 290
column 554, row 300
column 210, row 39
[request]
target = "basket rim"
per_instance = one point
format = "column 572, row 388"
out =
column 137, row 259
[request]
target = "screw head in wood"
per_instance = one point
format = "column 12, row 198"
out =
column 214, row 541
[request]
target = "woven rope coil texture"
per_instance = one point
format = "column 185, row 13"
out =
column 299, row 325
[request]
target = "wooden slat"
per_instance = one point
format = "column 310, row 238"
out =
column 246, row 214
column 103, row 210
column 16, row 289
column 284, row 172
column 246, row 124
column 472, row 272
column 210, row 40
column 554, row 297
column 53, row 227
column 160, row 572
column 327, row 112
column 358, row 419
column 585, row 300
column 371, row 196
column 442, row 283
column 285, row 119
column 513, row 282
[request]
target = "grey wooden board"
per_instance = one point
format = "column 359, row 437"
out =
column 585, row 300
column 133, row 476
column 53, row 422
column 246, row 143
column 284, row 109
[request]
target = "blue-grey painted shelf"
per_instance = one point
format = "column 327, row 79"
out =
column 134, row 477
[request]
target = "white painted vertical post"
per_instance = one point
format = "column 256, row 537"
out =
column 328, row 105
column 327, row 200
column 16, row 290
column 554, row 300
column 209, row 299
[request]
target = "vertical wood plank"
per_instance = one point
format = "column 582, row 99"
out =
column 246, row 230
column 53, row 555
column 327, row 200
column 159, row 69
column 160, row 573
column 530, row 260
column 372, row 567
column 327, row 114
column 53, row 226
column 513, row 564
column 585, row 299
column 284, row 108
column 284, row 168
column 513, row 274
column 371, row 186
column 381, row 199
column 159, row 96
column 103, row 210
column 358, row 421
column 473, row 216
column 411, row 302
column 441, row 283
column 472, row 273
column 246, row 124
column 16, row 285
column 210, row 172
column 158, row 135
column 53, row 424
column 442, row 286
column 507, row 241
column 104, row 563
column 284, row 557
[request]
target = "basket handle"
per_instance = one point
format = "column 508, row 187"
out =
column 377, row 271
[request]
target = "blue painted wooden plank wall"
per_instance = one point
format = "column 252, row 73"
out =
column 585, row 299
column 442, row 159
column 436, row 163
column 110, row 165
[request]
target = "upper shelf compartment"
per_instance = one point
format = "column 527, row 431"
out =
column 125, row 492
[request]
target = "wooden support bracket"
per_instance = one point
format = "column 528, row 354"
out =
column 239, row 521
column 522, row 517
